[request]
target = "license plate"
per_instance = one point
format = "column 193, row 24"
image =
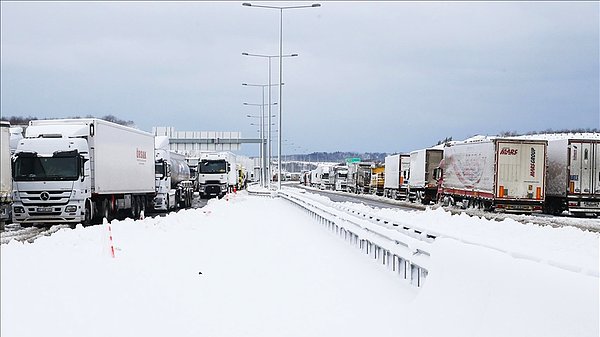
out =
column 591, row 204
column 44, row 209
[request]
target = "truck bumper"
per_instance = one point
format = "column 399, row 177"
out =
column 583, row 205
column 212, row 189
column 30, row 214
column 72, row 212
column 160, row 203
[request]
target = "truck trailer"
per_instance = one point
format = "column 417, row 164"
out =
column 573, row 177
column 5, row 174
column 377, row 183
column 174, row 186
column 397, row 168
column 80, row 171
column 502, row 174
column 422, row 183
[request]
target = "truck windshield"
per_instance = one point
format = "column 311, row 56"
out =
column 212, row 166
column 46, row 168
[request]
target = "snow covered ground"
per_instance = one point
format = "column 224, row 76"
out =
column 255, row 266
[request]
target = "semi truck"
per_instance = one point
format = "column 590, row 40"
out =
column 80, row 171
column 340, row 178
column 501, row 174
column 5, row 175
column 323, row 173
column 573, row 177
column 359, row 177
column 216, row 173
column 174, row 187
column 397, row 168
column 422, row 183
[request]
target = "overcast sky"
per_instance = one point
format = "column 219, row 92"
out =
column 370, row 76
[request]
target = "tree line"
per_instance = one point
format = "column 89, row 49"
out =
column 17, row 120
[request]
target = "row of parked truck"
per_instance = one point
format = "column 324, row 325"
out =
column 82, row 170
column 552, row 173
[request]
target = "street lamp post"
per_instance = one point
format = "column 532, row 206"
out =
column 269, row 57
column 262, row 137
column 280, row 71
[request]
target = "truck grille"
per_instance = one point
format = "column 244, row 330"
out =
column 213, row 189
column 45, row 197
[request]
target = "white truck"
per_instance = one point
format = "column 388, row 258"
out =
column 502, row 174
column 339, row 178
column 422, row 183
column 359, row 177
column 174, row 187
column 397, row 168
column 321, row 176
column 80, row 171
column 5, row 174
column 573, row 177
column 217, row 173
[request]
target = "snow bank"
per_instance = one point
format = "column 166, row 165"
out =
column 257, row 266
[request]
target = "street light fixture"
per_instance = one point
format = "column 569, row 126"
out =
column 280, row 68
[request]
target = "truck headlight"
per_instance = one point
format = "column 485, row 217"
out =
column 18, row 209
column 223, row 187
column 71, row 208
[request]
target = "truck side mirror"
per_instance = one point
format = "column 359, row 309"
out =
column 82, row 161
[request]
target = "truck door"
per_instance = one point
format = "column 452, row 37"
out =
column 583, row 173
column 595, row 167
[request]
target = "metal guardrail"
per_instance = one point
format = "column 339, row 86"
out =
column 402, row 249
column 400, row 245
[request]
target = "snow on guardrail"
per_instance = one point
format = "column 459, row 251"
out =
column 563, row 248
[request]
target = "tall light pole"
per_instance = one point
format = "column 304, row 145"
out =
column 269, row 57
column 280, row 70
column 263, row 158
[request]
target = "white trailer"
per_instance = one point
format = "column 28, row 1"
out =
column 573, row 174
column 397, row 168
column 174, row 187
column 81, row 170
column 499, row 174
column 5, row 174
column 422, row 183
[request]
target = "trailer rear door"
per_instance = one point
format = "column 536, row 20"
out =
column 584, row 176
column 520, row 170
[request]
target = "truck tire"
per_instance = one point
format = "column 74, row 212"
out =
column 107, row 210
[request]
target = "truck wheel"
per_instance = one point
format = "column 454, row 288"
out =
column 132, row 211
column 107, row 210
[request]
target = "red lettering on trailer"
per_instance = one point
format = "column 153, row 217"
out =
column 532, row 163
column 140, row 154
column 508, row 151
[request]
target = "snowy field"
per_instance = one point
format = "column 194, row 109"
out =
column 255, row 266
